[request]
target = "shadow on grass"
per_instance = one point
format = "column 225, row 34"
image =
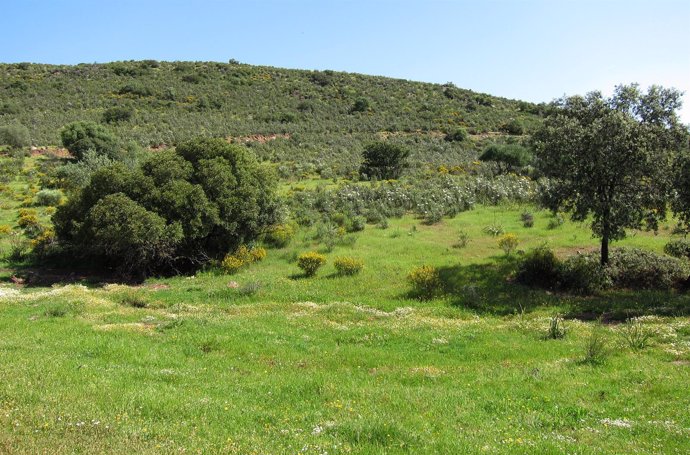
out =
column 486, row 288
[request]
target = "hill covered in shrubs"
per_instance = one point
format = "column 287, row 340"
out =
column 306, row 120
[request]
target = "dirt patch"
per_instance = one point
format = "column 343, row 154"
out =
column 260, row 138
column 56, row 152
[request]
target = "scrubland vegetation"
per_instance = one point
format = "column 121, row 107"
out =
column 237, row 259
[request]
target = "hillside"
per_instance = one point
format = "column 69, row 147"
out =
column 317, row 119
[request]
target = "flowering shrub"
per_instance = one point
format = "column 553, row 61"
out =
column 280, row 235
column 508, row 243
column 425, row 281
column 243, row 256
column 348, row 266
column 310, row 262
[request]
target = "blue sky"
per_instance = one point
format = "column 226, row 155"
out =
column 534, row 50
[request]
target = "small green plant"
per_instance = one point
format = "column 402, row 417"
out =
column 527, row 219
column 310, row 262
column 556, row 329
column 462, row 240
column 425, row 281
column 636, row 335
column 347, row 266
column 494, row 230
column 596, row 349
column 134, row 301
column 250, row 288
column 556, row 221
column 508, row 243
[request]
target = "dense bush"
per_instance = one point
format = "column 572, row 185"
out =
column 279, row 236
column 81, row 137
column 384, row 161
column 513, row 126
column 199, row 201
column 540, row 268
column 507, row 156
column 678, row 248
column 584, row 274
column 310, row 262
column 49, row 198
column 426, row 281
column 457, row 135
column 639, row 269
column 348, row 266
column 15, row 136
column 117, row 114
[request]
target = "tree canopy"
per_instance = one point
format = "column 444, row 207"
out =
column 177, row 210
column 610, row 158
column 384, row 161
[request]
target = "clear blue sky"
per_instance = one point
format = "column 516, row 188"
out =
column 534, row 50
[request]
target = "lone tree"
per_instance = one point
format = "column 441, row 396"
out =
column 81, row 137
column 611, row 158
column 384, row 161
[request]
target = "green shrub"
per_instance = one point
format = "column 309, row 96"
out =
column 49, row 198
column 117, row 114
column 678, row 248
column 539, row 267
column 384, row 161
column 584, row 274
column 15, row 136
column 458, row 135
column 513, row 126
column 356, row 224
column 213, row 196
column 348, row 266
column 361, row 105
column 80, row 137
column 310, row 262
column 527, row 219
column 507, row 156
column 426, row 281
column 633, row 268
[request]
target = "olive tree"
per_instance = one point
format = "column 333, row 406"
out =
column 609, row 160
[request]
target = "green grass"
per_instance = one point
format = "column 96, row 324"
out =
column 345, row 364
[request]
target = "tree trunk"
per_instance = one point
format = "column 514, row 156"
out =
column 605, row 248
column 605, row 234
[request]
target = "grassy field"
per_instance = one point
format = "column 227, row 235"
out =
column 268, row 361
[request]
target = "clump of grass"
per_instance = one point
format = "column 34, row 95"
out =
column 462, row 240
column 556, row 329
column 134, row 301
column 636, row 335
column 250, row 288
column 596, row 348
column 494, row 230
